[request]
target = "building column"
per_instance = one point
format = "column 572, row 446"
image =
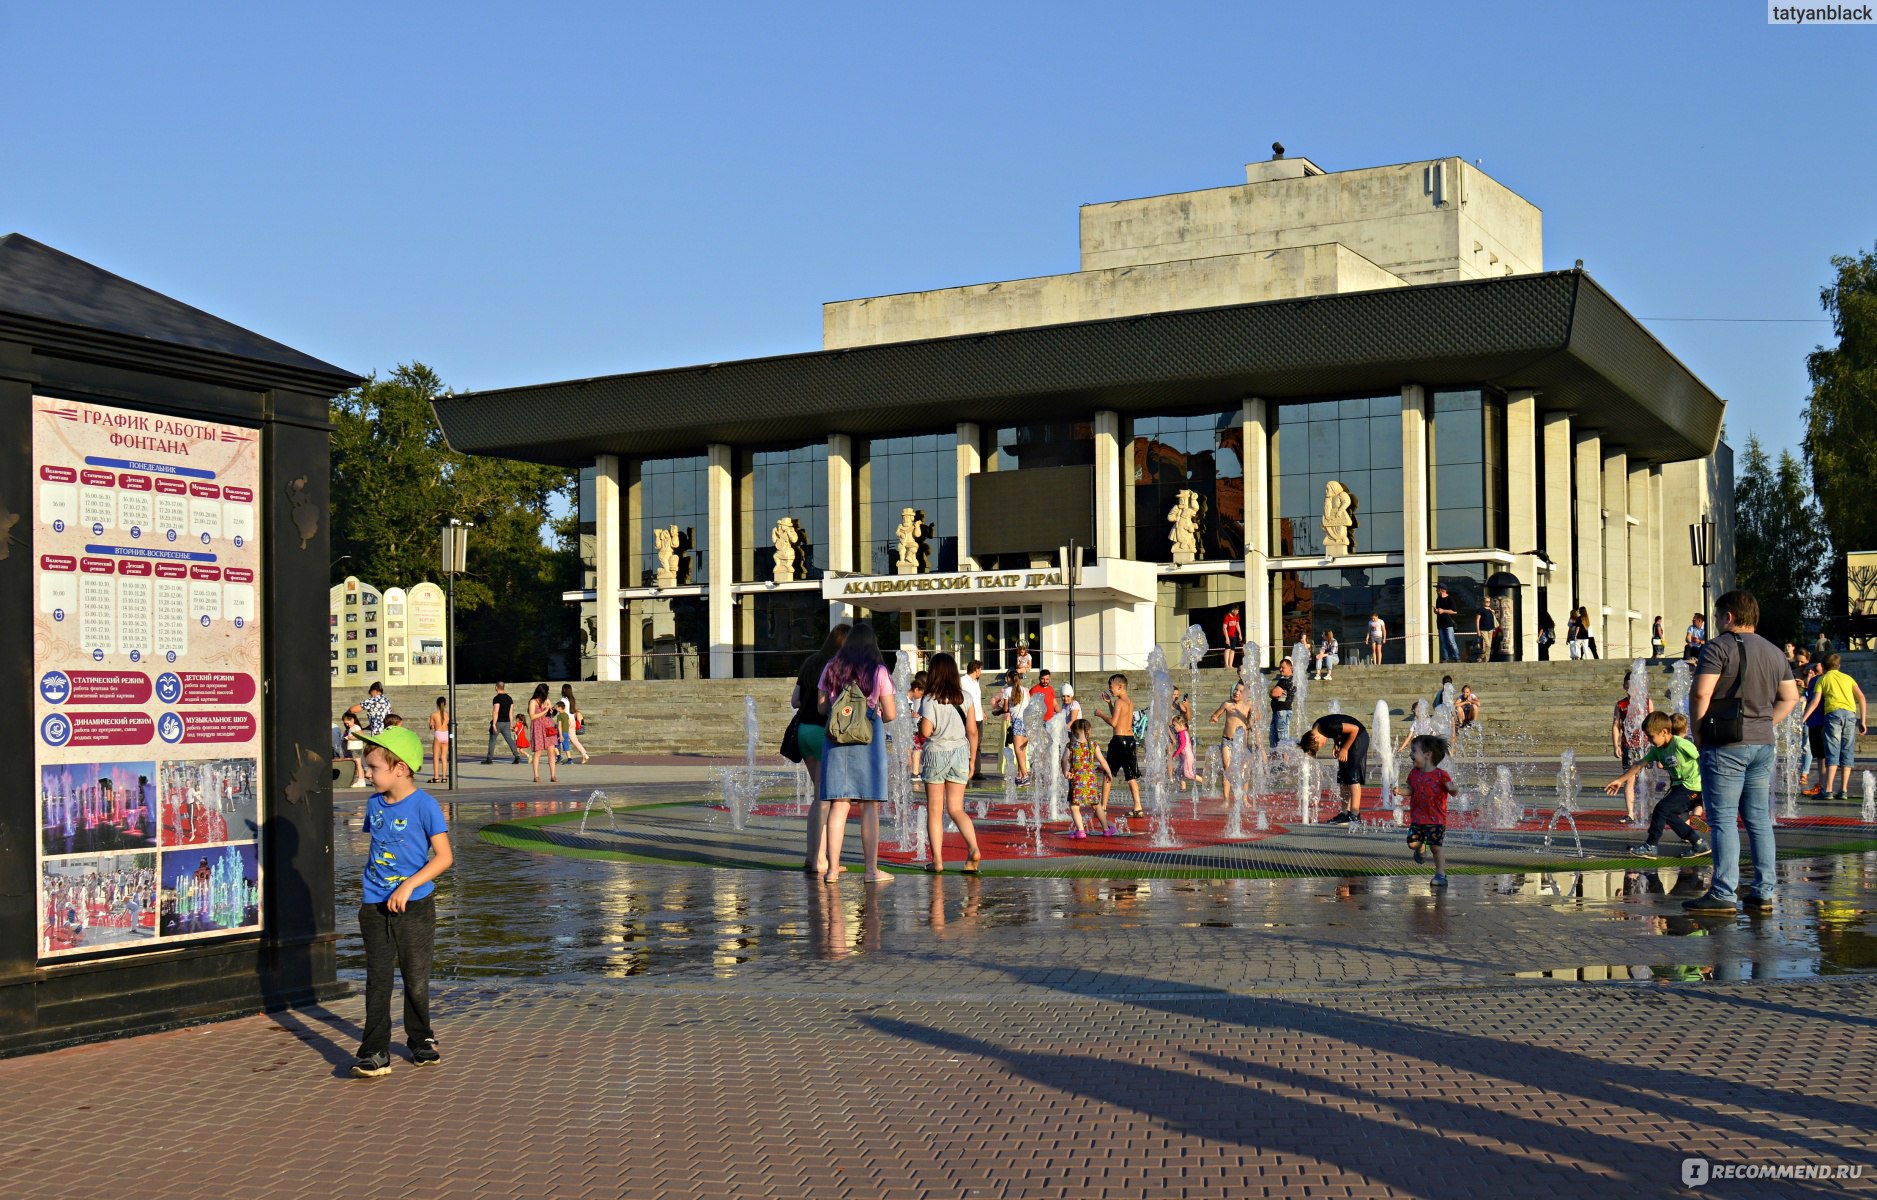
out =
column 1416, row 603
column 1641, row 578
column 1522, row 512
column 634, row 555
column 1555, row 539
column 840, row 519
column 607, row 530
column 1658, row 562
column 1109, row 540
column 1617, row 633
column 1255, row 456
column 970, row 461
column 1587, row 448
column 720, row 581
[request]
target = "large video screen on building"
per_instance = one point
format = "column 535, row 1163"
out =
column 147, row 661
column 1032, row 511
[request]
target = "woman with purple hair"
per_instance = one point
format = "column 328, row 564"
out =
column 856, row 774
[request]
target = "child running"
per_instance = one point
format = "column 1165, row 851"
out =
column 1683, row 761
column 1428, row 789
column 1080, row 761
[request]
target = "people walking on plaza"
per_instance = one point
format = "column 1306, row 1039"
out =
column 811, row 737
column 855, row 772
column 501, row 717
column 1486, row 629
column 1283, row 687
column 1123, row 748
column 1628, row 745
column 974, row 707
column 576, row 725
column 397, row 915
column 1656, row 645
column 1742, row 689
column 1683, row 761
column 1574, row 633
column 374, row 708
column 1348, row 738
column 1378, row 638
column 1232, row 630
column 1325, row 661
column 1236, row 710
column 1446, row 611
column 1428, row 789
column 951, row 746
column 1590, row 633
column 1547, row 636
column 1812, row 749
column 1695, row 638
column 440, row 741
column 1839, row 699
column 543, row 738
column 351, row 732
column 1082, row 762
column 1010, row 704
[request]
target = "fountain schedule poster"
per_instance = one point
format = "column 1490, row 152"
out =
column 147, row 657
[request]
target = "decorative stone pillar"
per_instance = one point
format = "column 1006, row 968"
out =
column 1255, row 454
column 1109, row 480
column 720, row 575
column 1641, row 576
column 607, row 532
column 970, row 460
column 840, row 519
column 1522, row 511
column 1416, row 601
column 1555, row 433
column 1587, row 449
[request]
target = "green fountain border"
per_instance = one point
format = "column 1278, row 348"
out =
column 525, row 833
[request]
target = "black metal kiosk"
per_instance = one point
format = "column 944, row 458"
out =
column 165, row 791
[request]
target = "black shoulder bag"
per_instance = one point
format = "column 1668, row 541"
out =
column 1725, row 724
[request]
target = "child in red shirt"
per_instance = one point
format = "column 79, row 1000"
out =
column 1428, row 789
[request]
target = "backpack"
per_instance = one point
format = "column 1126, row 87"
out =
column 1140, row 724
column 848, row 720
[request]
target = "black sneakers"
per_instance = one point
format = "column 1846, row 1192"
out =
column 1695, row 849
column 370, row 1066
column 1752, row 901
column 1646, row 850
column 425, row 1053
column 1342, row 818
column 1709, row 905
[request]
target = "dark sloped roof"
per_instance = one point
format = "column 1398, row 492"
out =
column 1559, row 333
column 40, row 284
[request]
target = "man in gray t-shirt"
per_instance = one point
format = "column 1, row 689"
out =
column 1737, row 775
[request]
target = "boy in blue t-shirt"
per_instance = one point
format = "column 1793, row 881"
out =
column 410, row 847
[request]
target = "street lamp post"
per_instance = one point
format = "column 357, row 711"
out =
column 455, row 556
column 1070, row 557
column 1701, row 546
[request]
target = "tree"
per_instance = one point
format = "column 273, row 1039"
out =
column 1781, row 552
column 1841, row 416
column 395, row 482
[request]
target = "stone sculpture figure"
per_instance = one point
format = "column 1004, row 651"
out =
column 668, row 540
column 1184, row 519
column 912, row 541
column 1339, row 519
column 786, row 537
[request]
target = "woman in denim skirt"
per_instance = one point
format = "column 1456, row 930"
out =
column 856, row 774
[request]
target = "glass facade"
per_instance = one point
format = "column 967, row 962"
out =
column 785, row 484
column 674, row 635
column 1356, row 443
column 1340, row 601
column 674, row 491
column 1043, row 444
column 990, row 635
column 778, row 632
column 919, row 472
column 1466, row 487
column 1203, row 452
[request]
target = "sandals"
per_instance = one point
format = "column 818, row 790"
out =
column 935, row 868
column 971, row 864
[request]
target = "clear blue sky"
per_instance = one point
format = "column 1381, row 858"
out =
column 519, row 193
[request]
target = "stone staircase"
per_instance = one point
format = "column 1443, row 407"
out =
column 1529, row 708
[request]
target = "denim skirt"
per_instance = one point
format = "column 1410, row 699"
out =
column 856, row 772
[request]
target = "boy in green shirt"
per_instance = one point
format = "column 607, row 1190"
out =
column 1683, row 761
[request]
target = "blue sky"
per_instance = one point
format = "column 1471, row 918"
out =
column 518, row 193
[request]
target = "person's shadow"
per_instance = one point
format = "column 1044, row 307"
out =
column 288, row 993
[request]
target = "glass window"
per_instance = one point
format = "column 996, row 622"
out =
column 787, row 483
column 673, row 635
column 1204, row 453
column 1044, row 444
column 1466, row 479
column 779, row 631
column 918, row 472
column 1340, row 601
column 674, row 491
column 1356, row 443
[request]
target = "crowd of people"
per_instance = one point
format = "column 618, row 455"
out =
column 550, row 731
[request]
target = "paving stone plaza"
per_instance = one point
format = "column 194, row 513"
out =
column 661, row 1006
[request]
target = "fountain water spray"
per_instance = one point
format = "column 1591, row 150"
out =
column 1235, row 786
column 1385, row 742
column 599, row 798
column 1566, row 810
column 1788, row 740
column 1870, row 798
column 899, row 731
column 1307, row 786
column 1299, row 688
column 1681, row 679
column 1155, row 759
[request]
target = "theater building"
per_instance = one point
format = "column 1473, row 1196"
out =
column 1313, row 396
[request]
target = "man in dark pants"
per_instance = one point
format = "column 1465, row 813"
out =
column 500, row 724
column 1350, row 740
column 1444, row 614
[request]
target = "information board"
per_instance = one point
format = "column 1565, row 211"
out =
column 147, row 656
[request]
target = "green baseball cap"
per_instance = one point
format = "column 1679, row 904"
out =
column 400, row 742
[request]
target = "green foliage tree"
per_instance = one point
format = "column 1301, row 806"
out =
column 395, row 482
column 1841, row 416
column 1781, row 551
